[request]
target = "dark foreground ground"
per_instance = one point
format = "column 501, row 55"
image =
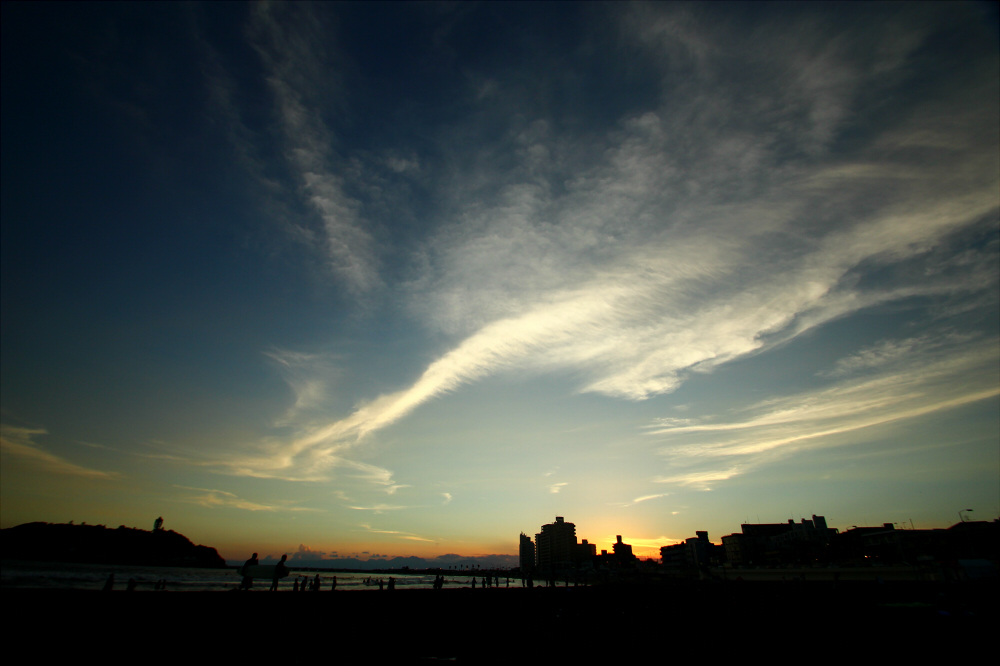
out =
column 737, row 621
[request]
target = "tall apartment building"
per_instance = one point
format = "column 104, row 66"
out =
column 527, row 553
column 556, row 544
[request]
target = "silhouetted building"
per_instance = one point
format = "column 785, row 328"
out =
column 586, row 551
column 556, row 545
column 694, row 552
column 974, row 539
column 733, row 545
column 779, row 543
column 527, row 553
column 623, row 553
column 887, row 545
column 622, row 549
column 806, row 543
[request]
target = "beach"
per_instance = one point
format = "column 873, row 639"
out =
column 69, row 576
column 495, row 625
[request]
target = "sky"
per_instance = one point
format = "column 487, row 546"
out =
column 410, row 279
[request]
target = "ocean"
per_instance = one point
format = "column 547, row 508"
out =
column 60, row 575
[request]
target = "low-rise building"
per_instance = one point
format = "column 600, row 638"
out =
column 692, row 553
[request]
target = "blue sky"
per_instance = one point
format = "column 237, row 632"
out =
column 413, row 278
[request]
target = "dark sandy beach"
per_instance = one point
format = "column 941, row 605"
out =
column 498, row 625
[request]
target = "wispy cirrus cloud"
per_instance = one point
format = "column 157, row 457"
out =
column 700, row 480
column 890, row 352
column 409, row 536
column 274, row 460
column 213, row 498
column 644, row 498
column 715, row 225
column 636, row 332
column 376, row 475
column 19, row 442
column 301, row 372
column 908, row 386
column 380, row 508
column 368, row 528
column 296, row 52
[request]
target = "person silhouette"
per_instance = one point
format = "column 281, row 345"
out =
column 333, row 586
column 247, row 578
column 279, row 570
column 109, row 584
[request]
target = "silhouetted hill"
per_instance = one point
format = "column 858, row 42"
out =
column 95, row 544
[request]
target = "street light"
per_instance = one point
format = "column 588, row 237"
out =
column 961, row 518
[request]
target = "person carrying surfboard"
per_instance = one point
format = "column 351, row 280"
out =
column 247, row 579
column 279, row 570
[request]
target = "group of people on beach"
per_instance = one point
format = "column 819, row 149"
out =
column 109, row 584
column 489, row 581
column 300, row 584
column 280, row 571
column 312, row 586
column 381, row 584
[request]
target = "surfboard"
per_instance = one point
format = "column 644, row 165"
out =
column 262, row 571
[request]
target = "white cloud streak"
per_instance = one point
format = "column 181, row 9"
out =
column 909, row 387
column 214, row 499
column 409, row 536
column 379, row 508
column 714, row 226
column 644, row 498
column 19, row 442
column 295, row 50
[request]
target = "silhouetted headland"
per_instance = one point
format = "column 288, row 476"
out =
column 96, row 544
